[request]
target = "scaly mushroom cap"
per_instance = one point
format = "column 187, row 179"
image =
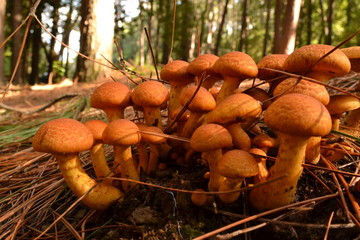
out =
column 121, row 132
column 97, row 128
column 314, row 90
column 63, row 135
column 233, row 107
column 111, row 94
column 299, row 115
column 150, row 94
column 353, row 53
column 176, row 71
column 342, row 103
column 273, row 61
column 236, row 64
column 202, row 102
column 203, row 63
column 335, row 64
column 238, row 164
column 209, row 137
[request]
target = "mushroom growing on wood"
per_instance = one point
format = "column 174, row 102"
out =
column 294, row 117
column 122, row 134
column 97, row 152
column 64, row 138
column 234, row 67
column 112, row 98
column 150, row 95
column 210, row 139
column 235, row 166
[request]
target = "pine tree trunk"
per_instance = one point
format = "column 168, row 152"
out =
column 2, row 38
column 221, row 26
column 16, row 18
column 96, row 40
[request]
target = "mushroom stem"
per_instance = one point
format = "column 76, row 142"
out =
column 194, row 121
column 153, row 158
column 100, row 197
column 228, row 87
column 143, row 157
column 352, row 120
column 114, row 113
column 229, row 184
column 241, row 139
column 99, row 162
column 125, row 165
column 212, row 158
column 152, row 116
column 288, row 165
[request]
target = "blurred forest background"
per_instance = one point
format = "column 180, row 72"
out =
column 114, row 30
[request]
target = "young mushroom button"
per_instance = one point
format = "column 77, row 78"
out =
column 294, row 117
column 64, row 138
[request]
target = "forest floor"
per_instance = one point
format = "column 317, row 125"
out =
column 36, row 204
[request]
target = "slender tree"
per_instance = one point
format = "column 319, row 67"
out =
column 267, row 26
column 221, row 26
column 243, row 31
column 16, row 18
column 2, row 38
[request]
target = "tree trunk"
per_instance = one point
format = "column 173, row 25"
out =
column 267, row 26
column 185, row 26
column 288, row 36
column 309, row 6
column 202, row 23
column 36, row 46
column 96, row 39
column 221, row 26
column 330, row 11
column 2, row 38
column 243, row 26
column 142, row 35
column 209, row 38
column 277, row 25
column 54, row 30
column 16, row 18
column 167, row 29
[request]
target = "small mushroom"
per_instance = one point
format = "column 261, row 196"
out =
column 234, row 67
column 122, row 134
column 112, row 98
column 64, row 138
column 151, row 95
column 235, row 166
column 210, row 139
column 178, row 76
column 203, row 64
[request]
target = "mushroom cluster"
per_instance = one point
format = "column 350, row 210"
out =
column 231, row 130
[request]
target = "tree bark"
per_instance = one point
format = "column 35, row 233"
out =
column 309, row 6
column 221, row 26
column 54, row 30
column 2, row 38
column 267, row 26
column 277, row 25
column 167, row 29
column 288, row 36
column 16, row 18
column 209, row 38
column 330, row 13
column 243, row 31
column 96, row 39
